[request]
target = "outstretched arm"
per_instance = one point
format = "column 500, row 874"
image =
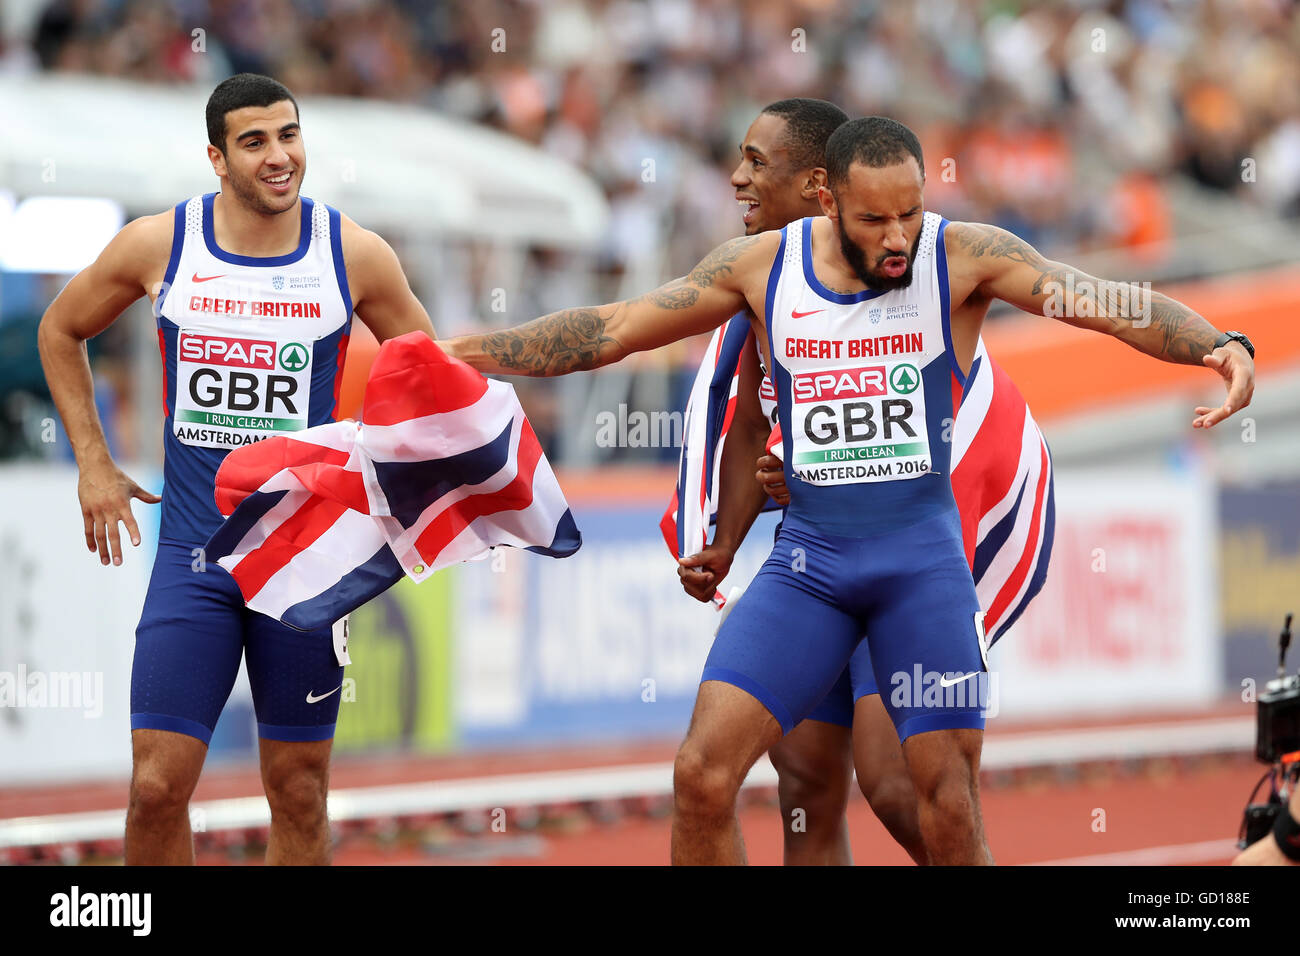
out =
column 1004, row 266
column 576, row 340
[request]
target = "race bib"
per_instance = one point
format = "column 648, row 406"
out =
column 859, row 423
column 233, row 391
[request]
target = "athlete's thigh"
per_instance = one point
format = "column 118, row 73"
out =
column 296, row 680
column 786, row 642
column 924, row 631
column 877, row 753
column 187, row 645
column 729, row 730
column 815, row 753
column 937, row 757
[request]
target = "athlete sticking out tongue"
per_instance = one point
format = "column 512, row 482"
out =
column 871, row 543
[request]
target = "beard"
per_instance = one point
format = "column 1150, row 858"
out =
column 246, row 191
column 857, row 260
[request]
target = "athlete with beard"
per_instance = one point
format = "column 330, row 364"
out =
column 253, row 288
column 1001, row 479
column 871, row 543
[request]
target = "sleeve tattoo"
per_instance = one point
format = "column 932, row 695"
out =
column 1148, row 320
column 567, row 341
column 574, row 340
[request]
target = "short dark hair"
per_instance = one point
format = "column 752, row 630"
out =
column 809, row 124
column 241, row 90
column 874, row 140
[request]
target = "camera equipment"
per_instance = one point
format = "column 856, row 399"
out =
column 1277, row 740
column 1278, row 716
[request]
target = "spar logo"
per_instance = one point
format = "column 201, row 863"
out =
column 237, row 353
column 243, row 353
column 294, row 357
column 905, row 378
column 865, row 382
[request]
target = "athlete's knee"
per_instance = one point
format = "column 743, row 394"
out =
column 952, row 794
column 155, row 793
column 893, row 800
column 297, row 793
column 703, row 786
column 297, row 782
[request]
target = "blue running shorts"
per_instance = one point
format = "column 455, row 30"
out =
column 191, row 636
column 792, row 636
column 856, row 681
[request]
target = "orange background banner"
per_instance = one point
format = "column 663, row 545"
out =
column 1062, row 370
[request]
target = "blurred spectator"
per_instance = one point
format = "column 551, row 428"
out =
column 1064, row 122
column 1024, row 92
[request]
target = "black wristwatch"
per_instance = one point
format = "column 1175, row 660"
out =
column 1227, row 337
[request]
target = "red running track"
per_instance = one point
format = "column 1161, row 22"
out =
column 1189, row 811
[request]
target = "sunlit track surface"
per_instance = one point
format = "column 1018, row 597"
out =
column 1162, row 814
column 580, row 808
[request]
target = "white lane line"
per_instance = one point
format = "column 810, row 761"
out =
column 1001, row 752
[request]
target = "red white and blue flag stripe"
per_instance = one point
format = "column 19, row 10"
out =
column 442, row 467
column 1001, row 476
column 1002, row 482
column 709, row 413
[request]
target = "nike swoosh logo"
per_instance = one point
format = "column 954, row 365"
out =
column 312, row 698
column 800, row 315
column 944, row 682
column 198, row 278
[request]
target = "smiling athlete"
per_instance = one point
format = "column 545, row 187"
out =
column 871, row 543
column 1001, row 482
column 253, row 288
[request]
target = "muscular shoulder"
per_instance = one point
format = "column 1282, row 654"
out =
column 358, row 242
column 148, row 238
column 970, row 243
column 139, row 253
column 978, row 252
column 366, row 256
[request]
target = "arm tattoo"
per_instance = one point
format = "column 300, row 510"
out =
column 1184, row 336
column 573, row 340
column 720, row 261
column 1151, row 322
column 684, row 293
column 983, row 242
column 678, row 294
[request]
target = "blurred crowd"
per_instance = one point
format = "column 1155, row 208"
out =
column 1067, row 122
column 1029, row 112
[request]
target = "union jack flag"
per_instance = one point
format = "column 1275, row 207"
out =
column 1001, row 475
column 442, row 467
